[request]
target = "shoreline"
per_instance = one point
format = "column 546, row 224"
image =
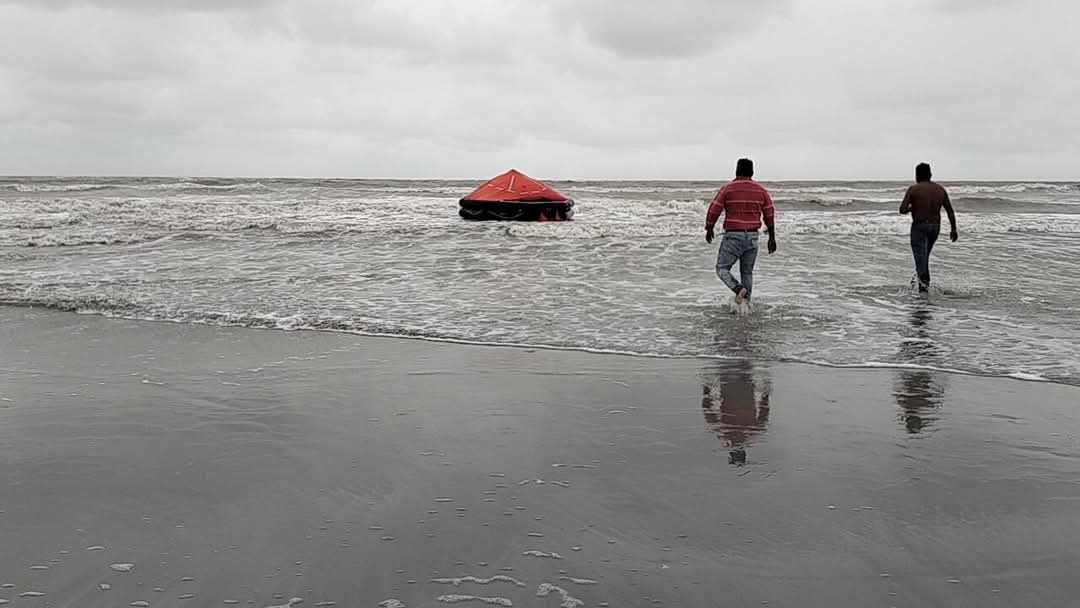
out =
column 869, row 365
column 667, row 180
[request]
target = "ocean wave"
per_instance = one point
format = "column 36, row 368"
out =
column 295, row 210
column 191, row 186
column 865, row 199
column 218, row 188
column 47, row 221
column 802, row 223
column 681, row 204
column 43, row 188
column 681, row 219
column 817, row 190
column 192, row 231
column 900, row 187
column 971, row 202
column 811, row 189
column 1012, row 188
column 814, row 201
column 312, row 230
column 53, row 239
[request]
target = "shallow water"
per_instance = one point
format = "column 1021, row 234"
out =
column 630, row 274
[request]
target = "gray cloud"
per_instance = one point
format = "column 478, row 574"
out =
column 576, row 89
column 146, row 6
column 680, row 28
column 116, row 49
column 965, row 6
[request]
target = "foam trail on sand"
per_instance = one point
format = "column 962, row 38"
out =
column 493, row 601
column 568, row 601
column 457, row 582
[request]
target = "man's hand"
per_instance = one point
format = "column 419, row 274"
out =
column 709, row 236
column 954, row 235
column 772, row 244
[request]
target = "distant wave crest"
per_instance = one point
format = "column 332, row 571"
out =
column 34, row 187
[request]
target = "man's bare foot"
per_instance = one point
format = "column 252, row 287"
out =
column 740, row 296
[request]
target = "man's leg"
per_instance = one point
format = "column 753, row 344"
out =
column 730, row 248
column 746, row 264
column 921, row 252
column 932, row 232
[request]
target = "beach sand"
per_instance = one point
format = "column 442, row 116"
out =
column 247, row 466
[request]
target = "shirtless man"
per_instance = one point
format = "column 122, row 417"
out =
column 924, row 201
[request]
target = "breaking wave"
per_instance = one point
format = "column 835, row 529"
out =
column 29, row 188
column 196, row 186
column 50, row 239
column 804, row 223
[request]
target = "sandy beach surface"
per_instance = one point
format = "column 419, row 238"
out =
column 188, row 465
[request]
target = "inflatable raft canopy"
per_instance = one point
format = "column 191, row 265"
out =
column 516, row 196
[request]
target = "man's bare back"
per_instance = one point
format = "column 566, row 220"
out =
column 924, row 201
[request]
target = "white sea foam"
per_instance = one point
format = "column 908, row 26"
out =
column 52, row 187
column 542, row 554
column 493, row 601
column 578, row 581
column 567, row 600
column 458, row 581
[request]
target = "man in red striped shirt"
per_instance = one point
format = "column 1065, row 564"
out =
column 744, row 203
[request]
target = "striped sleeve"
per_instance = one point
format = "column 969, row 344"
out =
column 767, row 209
column 716, row 208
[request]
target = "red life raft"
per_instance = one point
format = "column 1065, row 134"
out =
column 516, row 196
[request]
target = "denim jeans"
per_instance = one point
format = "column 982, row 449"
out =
column 741, row 247
column 923, row 237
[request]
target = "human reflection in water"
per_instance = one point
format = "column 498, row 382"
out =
column 917, row 391
column 736, row 406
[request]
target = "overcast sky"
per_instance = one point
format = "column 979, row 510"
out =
column 819, row 89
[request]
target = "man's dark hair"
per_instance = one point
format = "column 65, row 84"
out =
column 744, row 168
column 922, row 172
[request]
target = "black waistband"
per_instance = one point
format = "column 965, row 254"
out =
column 734, row 230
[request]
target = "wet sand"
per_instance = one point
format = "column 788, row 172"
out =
column 232, row 465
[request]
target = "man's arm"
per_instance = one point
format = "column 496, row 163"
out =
column 905, row 205
column 947, row 204
column 768, row 212
column 715, row 209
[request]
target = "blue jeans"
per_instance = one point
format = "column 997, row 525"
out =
column 923, row 237
column 741, row 247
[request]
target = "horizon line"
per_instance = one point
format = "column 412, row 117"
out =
column 559, row 179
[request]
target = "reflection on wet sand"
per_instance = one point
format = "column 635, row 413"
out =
column 919, row 392
column 735, row 405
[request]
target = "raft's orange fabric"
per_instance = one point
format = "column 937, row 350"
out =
column 515, row 186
